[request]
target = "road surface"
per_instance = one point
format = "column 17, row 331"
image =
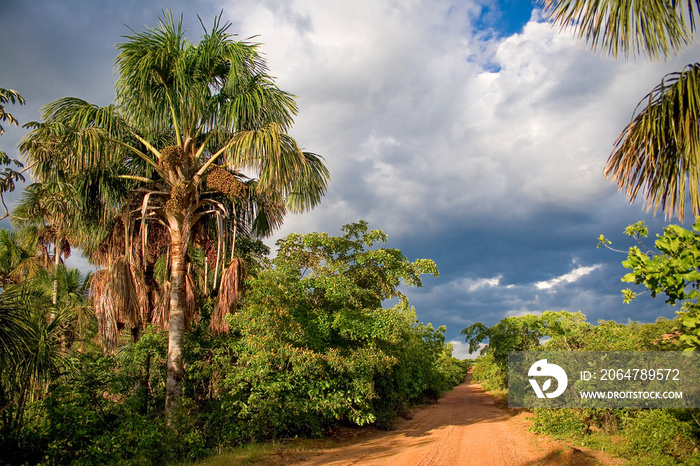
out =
column 464, row 428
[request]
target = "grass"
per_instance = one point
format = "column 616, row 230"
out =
column 283, row 452
column 268, row 453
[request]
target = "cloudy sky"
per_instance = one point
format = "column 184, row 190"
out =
column 470, row 131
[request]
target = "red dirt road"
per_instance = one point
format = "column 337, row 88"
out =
column 464, row 428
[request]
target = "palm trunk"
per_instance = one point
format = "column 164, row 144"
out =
column 177, row 319
column 57, row 260
column 206, row 273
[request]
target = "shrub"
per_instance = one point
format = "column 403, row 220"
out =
column 488, row 374
column 657, row 432
column 558, row 422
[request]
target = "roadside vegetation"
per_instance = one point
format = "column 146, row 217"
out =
column 309, row 349
column 653, row 436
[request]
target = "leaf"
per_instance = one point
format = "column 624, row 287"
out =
column 691, row 322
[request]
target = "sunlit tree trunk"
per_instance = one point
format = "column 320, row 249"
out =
column 57, row 261
column 179, row 233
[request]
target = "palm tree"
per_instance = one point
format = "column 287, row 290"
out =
column 30, row 354
column 8, row 176
column 190, row 124
column 17, row 261
column 47, row 212
column 658, row 153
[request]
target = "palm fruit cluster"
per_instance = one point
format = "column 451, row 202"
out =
column 178, row 199
column 171, row 157
column 221, row 180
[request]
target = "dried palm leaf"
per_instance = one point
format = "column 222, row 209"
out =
column 105, row 310
column 124, row 294
column 140, row 289
column 230, row 292
column 161, row 311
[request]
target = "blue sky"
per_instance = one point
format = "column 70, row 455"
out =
column 471, row 132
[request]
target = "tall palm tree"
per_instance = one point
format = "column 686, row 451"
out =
column 658, row 153
column 47, row 211
column 189, row 123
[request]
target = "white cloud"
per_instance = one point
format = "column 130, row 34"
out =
column 401, row 100
column 570, row 277
column 460, row 350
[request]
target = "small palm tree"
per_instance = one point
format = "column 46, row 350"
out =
column 197, row 131
column 18, row 262
column 30, row 354
column 47, row 212
column 658, row 153
column 8, row 177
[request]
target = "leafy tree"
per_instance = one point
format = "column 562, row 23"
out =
column 658, row 152
column 188, row 120
column 47, row 211
column 671, row 269
column 516, row 333
column 560, row 331
column 316, row 345
column 567, row 331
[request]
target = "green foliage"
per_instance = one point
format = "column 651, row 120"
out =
column 567, row 331
column 517, row 333
column 310, row 347
column 657, row 433
column 30, row 358
column 316, row 346
column 8, row 176
column 671, row 269
column 488, row 374
column 558, row 422
column 559, row 331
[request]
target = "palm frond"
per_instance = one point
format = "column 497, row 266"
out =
column 658, row 153
column 9, row 96
column 15, row 328
column 117, row 300
column 309, row 186
column 230, row 291
column 640, row 27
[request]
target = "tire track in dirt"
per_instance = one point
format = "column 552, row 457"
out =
column 464, row 427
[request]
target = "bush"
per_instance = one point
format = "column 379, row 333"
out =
column 558, row 422
column 488, row 374
column 657, row 433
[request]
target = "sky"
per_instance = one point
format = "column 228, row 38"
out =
column 471, row 132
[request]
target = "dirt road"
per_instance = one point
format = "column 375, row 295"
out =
column 464, row 428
